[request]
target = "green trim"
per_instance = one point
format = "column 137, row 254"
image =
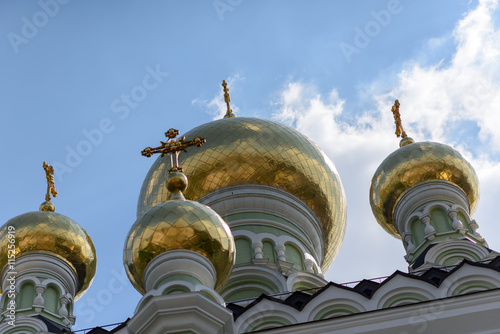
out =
column 268, row 251
column 410, row 298
column 417, row 231
column 26, row 295
column 437, row 239
column 209, row 296
column 295, row 256
column 245, row 294
column 304, row 286
column 259, row 286
column 268, row 229
column 440, row 220
column 263, row 216
column 244, row 251
column 474, row 284
column 16, row 329
column 252, row 280
column 454, row 259
column 51, row 297
column 178, row 277
column 267, row 322
column 261, row 229
column 464, row 220
column 336, row 311
column 175, row 289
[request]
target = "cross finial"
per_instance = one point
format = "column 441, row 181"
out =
column 227, row 99
column 397, row 120
column 49, row 174
column 172, row 146
column 51, row 189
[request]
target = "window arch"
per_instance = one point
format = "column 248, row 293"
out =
column 269, row 251
column 51, row 297
column 244, row 252
column 294, row 255
column 26, row 295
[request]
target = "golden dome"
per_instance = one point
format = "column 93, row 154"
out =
column 178, row 224
column 415, row 163
column 45, row 231
column 243, row 150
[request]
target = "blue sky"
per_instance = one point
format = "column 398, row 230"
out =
column 86, row 85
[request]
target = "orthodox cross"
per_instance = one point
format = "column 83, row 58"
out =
column 49, row 174
column 397, row 120
column 172, row 146
column 227, row 99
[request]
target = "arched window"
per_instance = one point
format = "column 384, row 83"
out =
column 417, row 231
column 244, row 250
column 51, row 297
column 440, row 220
column 294, row 255
column 269, row 251
column 26, row 295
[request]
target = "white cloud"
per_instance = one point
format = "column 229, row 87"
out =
column 439, row 98
column 216, row 106
column 454, row 102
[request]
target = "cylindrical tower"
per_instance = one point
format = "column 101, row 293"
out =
column 426, row 193
column 47, row 262
column 176, row 254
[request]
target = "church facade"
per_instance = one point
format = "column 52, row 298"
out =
column 237, row 221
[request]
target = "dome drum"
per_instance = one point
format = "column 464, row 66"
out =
column 257, row 205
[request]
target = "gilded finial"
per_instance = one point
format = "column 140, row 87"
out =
column 227, row 99
column 400, row 132
column 172, row 146
column 51, row 189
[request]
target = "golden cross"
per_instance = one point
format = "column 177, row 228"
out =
column 397, row 120
column 227, row 99
column 173, row 145
column 49, row 174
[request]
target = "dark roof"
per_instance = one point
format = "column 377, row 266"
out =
column 98, row 330
column 52, row 326
column 101, row 330
column 366, row 288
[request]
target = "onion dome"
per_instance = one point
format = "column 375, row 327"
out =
column 56, row 234
column 415, row 163
column 242, row 150
column 178, row 224
column 50, row 232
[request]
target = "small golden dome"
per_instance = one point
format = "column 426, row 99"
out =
column 243, row 150
column 414, row 163
column 45, row 231
column 178, row 224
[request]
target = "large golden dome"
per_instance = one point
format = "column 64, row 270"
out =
column 415, row 163
column 243, row 150
column 44, row 231
column 178, row 224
